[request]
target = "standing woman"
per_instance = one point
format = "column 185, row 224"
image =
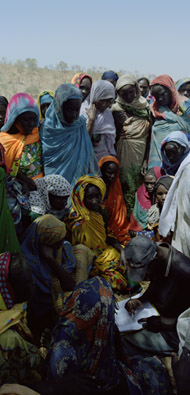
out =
column 20, row 138
column 44, row 100
column 131, row 115
column 84, row 83
column 66, row 145
column 171, row 112
column 100, row 123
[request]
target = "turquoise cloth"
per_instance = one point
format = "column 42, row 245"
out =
column 67, row 148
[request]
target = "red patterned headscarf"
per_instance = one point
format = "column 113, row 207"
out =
column 166, row 81
column 77, row 79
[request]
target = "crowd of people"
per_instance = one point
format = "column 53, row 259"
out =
column 94, row 197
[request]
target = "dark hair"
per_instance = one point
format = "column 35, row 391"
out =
column 144, row 78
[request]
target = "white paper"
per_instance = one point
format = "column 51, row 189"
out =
column 127, row 322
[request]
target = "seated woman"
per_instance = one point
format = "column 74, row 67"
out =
column 183, row 87
column 52, row 261
column 110, row 76
column 143, row 201
column 3, row 108
column 50, row 197
column 66, row 145
column 100, row 122
column 131, row 115
column 114, row 208
column 170, row 111
column 18, row 355
column 175, row 219
column 161, row 189
column 44, row 100
column 20, row 138
column 84, row 83
column 87, row 227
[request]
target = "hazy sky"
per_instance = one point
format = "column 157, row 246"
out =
column 151, row 37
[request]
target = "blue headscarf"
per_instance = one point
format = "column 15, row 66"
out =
column 110, row 75
column 181, row 82
column 67, row 148
column 181, row 139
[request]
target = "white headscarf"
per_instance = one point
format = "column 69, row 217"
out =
column 56, row 185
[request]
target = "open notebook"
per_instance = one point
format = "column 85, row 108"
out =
column 126, row 322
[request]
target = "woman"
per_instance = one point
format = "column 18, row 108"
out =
column 50, row 197
column 175, row 219
column 18, row 355
column 66, row 145
column 144, row 85
column 143, row 201
column 84, row 83
column 183, row 87
column 171, row 112
column 114, row 206
column 3, row 107
column 100, row 123
column 20, row 136
column 44, row 100
column 87, row 227
column 131, row 115
column 52, row 261
column 161, row 189
column 8, row 239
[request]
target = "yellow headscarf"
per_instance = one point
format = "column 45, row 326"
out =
column 51, row 93
column 87, row 226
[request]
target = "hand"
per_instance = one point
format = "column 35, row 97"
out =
column 152, row 324
column 144, row 167
column 132, row 305
column 91, row 112
column 181, row 369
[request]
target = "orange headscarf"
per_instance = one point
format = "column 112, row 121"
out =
column 115, row 205
column 166, row 81
column 14, row 144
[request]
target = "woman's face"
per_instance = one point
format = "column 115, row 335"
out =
column 161, row 195
column 85, row 87
column 185, row 89
column 162, row 95
column 26, row 121
column 127, row 93
column 44, row 108
column 92, row 197
column 144, row 87
column 71, row 110
column 109, row 172
column 173, row 151
column 57, row 202
column 149, row 182
column 102, row 105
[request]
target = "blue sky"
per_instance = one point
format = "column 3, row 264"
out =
column 150, row 37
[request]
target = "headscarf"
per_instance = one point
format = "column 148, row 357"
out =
column 139, row 103
column 67, row 148
column 102, row 90
column 44, row 97
column 91, row 232
column 181, row 82
column 177, row 137
column 77, row 79
column 110, row 75
column 115, row 205
column 166, row 181
column 166, row 81
column 8, row 238
column 39, row 200
column 19, row 103
column 44, row 230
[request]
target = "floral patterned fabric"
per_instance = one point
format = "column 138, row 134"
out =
column 31, row 162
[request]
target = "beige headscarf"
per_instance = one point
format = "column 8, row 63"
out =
column 139, row 102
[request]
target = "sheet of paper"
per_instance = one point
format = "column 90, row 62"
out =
column 126, row 322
